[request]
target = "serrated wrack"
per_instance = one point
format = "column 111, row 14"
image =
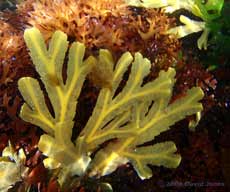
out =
column 125, row 119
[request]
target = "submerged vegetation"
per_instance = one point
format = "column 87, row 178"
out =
column 93, row 95
column 208, row 11
column 130, row 116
